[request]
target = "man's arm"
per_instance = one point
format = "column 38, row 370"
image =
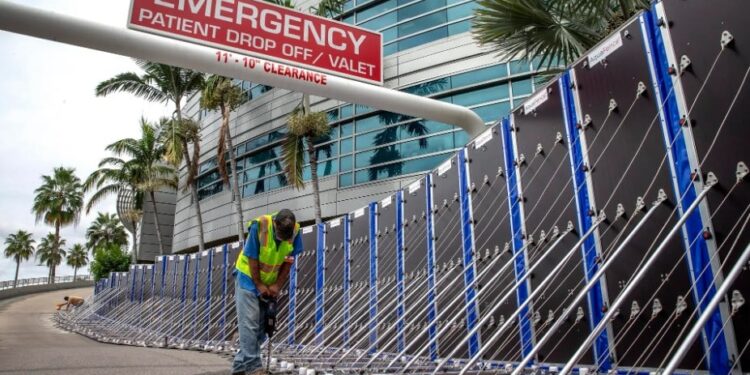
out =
column 286, row 267
column 281, row 279
column 255, row 272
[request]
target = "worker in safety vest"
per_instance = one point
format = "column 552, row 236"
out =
column 262, row 269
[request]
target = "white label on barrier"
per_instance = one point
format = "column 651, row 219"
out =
column 205, row 252
column 415, row 186
column 219, row 250
column 149, row 267
column 359, row 212
column 171, row 257
column 535, row 101
column 235, row 245
column 192, row 256
column 483, row 138
column 445, row 167
column 386, row 202
column 605, row 49
column 334, row 223
column 307, row 230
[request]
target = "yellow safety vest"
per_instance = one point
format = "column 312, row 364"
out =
column 270, row 257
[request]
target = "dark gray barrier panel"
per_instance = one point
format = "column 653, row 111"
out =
column 159, row 276
column 448, row 251
column 230, row 326
column 191, row 305
column 334, row 281
column 415, row 263
column 217, row 302
column 549, row 208
column 360, row 275
column 149, row 276
column 386, row 288
column 492, row 236
column 305, row 298
column 718, row 127
column 625, row 148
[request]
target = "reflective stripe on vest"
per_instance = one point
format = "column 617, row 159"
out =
column 270, row 256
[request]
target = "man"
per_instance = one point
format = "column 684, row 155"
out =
column 70, row 300
column 262, row 269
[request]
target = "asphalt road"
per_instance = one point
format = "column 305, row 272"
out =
column 31, row 344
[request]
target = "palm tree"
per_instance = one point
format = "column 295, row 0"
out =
column 305, row 126
column 145, row 162
column 164, row 83
column 50, row 253
column 106, row 230
column 220, row 94
column 77, row 258
column 20, row 247
column 551, row 31
column 58, row 202
column 115, row 176
column 304, row 129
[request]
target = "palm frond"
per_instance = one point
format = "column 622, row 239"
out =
column 293, row 157
column 101, row 194
column 532, row 29
column 133, row 84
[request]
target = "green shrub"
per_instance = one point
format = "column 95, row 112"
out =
column 109, row 259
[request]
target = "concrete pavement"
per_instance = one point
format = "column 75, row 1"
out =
column 30, row 344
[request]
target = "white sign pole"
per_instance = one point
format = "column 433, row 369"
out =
column 48, row 25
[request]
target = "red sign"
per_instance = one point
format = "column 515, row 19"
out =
column 266, row 30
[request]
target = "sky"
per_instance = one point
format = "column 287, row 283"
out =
column 50, row 117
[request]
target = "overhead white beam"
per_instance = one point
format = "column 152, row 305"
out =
column 48, row 25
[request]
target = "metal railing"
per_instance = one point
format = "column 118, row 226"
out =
column 8, row 284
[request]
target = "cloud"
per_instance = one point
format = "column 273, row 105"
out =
column 50, row 117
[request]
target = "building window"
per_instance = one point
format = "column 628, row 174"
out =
column 367, row 145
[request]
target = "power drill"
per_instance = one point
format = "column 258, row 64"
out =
column 270, row 307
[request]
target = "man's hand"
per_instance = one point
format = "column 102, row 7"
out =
column 273, row 290
column 263, row 289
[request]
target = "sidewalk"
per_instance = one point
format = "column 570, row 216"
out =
column 30, row 344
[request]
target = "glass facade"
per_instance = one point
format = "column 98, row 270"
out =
column 406, row 23
column 369, row 145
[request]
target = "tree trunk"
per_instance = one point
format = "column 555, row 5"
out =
column 18, row 265
column 75, row 273
column 314, row 174
column 306, row 103
column 235, row 177
column 134, row 255
column 193, row 186
column 156, row 223
column 57, row 251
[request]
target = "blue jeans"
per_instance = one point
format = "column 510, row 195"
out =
column 251, row 325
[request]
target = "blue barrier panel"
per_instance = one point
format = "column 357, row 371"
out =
column 320, row 283
column 400, row 270
column 517, row 240
column 699, row 259
column 467, row 242
column 347, row 278
column 431, row 300
column 292, row 302
column 373, row 322
column 585, row 214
